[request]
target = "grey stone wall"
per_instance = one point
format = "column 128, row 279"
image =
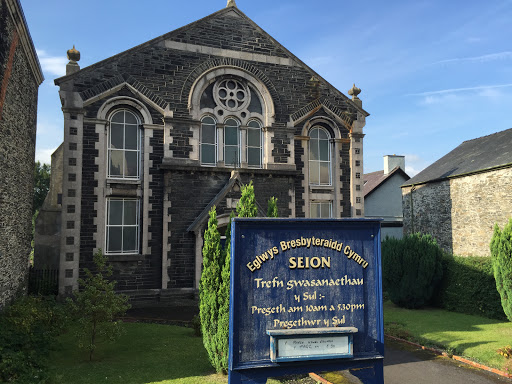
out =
column 460, row 213
column 429, row 211
column 18, row 107
column 478, row 202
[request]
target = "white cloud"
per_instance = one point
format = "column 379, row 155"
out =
column 414, row 164
column 478, row 59
column 52, row 65
column 45, row 155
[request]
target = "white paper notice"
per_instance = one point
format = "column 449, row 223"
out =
column 332, row 345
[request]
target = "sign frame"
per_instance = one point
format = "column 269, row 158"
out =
column 366, row 364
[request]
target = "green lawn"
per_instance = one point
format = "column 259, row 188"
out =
column 146, row 353
column 474, row 337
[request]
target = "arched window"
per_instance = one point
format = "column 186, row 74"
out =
column 231, row 142
column 319, row 157
column 254, row 144
column 124, row 146
column 208, row 141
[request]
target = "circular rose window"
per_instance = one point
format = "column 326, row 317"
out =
column 231, row 94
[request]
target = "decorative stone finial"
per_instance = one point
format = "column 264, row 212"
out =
column 73, row 54
column 354, row 91
column 73, row 57
column 231, row 3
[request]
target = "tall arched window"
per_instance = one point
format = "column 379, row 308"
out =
column 319, row 157
column 254, row 144
column 231, row 142
column 208, row 141
column 124, row 146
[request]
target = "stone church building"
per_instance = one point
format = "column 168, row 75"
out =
column 156, row 135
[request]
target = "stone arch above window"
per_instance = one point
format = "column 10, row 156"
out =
column 130, row 103
column 230, row 91
column 325, row 122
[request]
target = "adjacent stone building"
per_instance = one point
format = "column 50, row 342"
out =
column 156, row 135
column 460, row 197
column 383, row 195
column 20, row 77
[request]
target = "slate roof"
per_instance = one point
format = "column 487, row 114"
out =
column 374, row 179
column 477, row 155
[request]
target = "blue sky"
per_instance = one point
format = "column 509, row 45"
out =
column 432, row 73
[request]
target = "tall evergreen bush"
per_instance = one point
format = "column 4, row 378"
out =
column 272, row 207
column 209, row 286
column 412, row 269
column 501, row 253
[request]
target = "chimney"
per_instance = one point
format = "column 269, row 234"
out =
column 392, row 161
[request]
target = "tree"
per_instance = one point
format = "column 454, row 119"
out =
column 246, row 206
column 209, row 286
column 41, row 184
column 96, row 306
column 501, row 253
column 223, row 319
column 272, row 207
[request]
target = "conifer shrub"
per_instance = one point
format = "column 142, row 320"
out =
column 272, row 207
column 411, row 269
column 209, row 287
column 501, row 253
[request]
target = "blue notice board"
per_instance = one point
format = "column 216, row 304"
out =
column 306, row 295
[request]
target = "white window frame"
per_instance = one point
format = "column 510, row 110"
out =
column 201, row 143
column 238, row 145
column 317, row 202
column 122, row 226
column 260, row 146
column 123, row 150
column 317, row 163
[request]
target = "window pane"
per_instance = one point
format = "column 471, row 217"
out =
column 322, row 134
column 116, row 136
column 131, row 137
column 114, row 239
column 314, row 173
column 118, row 117
column 231, row 135
column 131, row 164
column 254, row 124
column 324, row 150
column 253, row 137
column 231, row 155
column 253, row 157
column 116, row 163
column 314, row 210
column 130, row 212
column 130, row 118
column 115, row 212
column 208, row 134
column 208, row 120
column 314, row 133
column 130, row 239
column 324, row 173
column 313, row 150
column 208, row 154
column 325, row 209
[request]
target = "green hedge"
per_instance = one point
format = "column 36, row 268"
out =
column 468, row 286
